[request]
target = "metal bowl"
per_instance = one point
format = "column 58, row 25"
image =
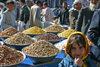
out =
column 32, row 35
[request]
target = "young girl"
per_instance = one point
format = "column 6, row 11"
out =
column 77, row 50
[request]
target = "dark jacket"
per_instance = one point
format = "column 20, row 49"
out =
column 25, row 13
column 64, row 16
column 84, row 20
column 73, row 15
column 69, row 62
column 94, row 34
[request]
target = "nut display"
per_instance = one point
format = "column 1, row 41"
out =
column 9, row 32
column 9, row 56
column 41, row 48
column 19, row 39
column 48, row 37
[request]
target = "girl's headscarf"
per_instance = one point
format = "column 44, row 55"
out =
column 87, row 45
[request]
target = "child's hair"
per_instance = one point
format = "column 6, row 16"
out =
column 76, row 38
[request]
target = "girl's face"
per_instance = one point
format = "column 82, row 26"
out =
column 77, row 51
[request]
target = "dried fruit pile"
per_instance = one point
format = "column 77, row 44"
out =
column 48, row 37
column 41, row 49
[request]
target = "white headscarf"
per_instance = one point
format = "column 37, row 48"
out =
column 77, row 1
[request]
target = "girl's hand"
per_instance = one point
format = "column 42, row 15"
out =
column 78, row 61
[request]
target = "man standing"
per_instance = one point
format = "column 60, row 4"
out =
column 94, row 36
column 64, row 15
column 35, row 15
column 25, row 13
column 74, row 11
column 85, row 16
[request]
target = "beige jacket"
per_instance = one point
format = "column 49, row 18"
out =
column 35, row 16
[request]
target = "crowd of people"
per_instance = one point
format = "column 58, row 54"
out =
column 81, row 17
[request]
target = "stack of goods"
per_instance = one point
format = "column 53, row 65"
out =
column 48, row 37
column 8, row 32
column 19, row 39
column 9, row 56
column 54, row 28
column 34, row 30
column 41, row 49
column 66, row 33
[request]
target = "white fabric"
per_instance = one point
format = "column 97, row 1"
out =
column 77, row 1
column 20, row 26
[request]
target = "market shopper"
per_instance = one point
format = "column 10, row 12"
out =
column 64, row 15
column 74, row 12
column 77, row 50
column 24, row 14
column 85, row 16
column 8, row 18
column 94, row 36
column 47, row 13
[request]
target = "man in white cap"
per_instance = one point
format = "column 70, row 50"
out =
column 74, row 11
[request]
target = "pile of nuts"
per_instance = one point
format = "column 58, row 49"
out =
column 54, row 28
column 9, row 32
column 48, row 37
column 9, row 56
column 19, row 39
column 41, row 48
